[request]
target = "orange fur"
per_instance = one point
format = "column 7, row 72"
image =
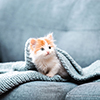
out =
column 50, row 36
column 40, row 43
column 49, row 42
column 37, row 44
column 32, row 42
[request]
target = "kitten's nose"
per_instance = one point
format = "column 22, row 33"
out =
column 47, row 52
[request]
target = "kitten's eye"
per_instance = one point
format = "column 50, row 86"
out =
column 49, row 47
column 42, row 49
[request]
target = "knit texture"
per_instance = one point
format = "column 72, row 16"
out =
column 16, row 73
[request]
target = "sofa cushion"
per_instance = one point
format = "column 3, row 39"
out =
column 39, row 91
column 82, row 46
column 89, row 91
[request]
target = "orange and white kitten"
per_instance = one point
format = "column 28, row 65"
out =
column 43, row 54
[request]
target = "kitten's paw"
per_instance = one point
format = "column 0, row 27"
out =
column 49, row 75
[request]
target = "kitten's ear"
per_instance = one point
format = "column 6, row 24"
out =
column 33, row 41
column 50, row 36
column 32, row 44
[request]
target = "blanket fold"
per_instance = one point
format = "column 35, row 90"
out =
column 16, row 73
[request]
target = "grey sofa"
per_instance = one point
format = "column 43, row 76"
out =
column 76, row 27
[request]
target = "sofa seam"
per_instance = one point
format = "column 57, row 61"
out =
column 83, row 95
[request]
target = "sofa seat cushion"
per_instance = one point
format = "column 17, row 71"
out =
column 39, row 91
column 89, row 91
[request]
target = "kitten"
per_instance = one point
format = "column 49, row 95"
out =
column 43, row 55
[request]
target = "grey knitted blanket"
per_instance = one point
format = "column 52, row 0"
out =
column 16, row 73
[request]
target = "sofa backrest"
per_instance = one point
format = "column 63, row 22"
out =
column 75, row 23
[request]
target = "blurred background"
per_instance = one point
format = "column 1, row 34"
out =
column 75, row 24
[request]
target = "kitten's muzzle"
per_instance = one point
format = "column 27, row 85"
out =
column 48, row 53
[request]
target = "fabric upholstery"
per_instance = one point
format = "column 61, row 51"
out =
column 88, row 91
column 39, row 91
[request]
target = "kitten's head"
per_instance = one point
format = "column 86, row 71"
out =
column 43, row 47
